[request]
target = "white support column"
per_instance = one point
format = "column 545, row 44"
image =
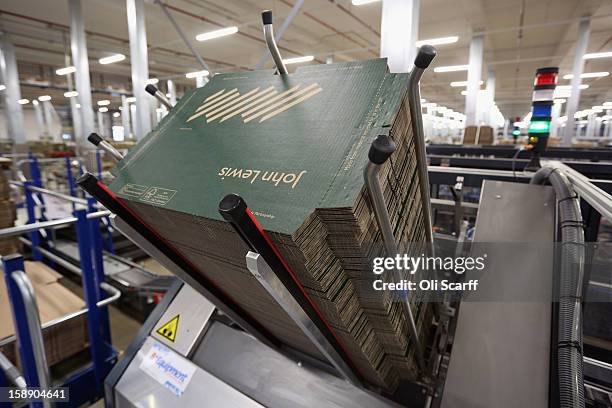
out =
column 399, row 31
column 140, row 66
column 573, row 101
column 474, row 75
column 554, row 119
column 101, row 129
column 125, row 117
column 47, row 109
column 77, row 127
column 608, row 127
column 78, row 46
column 171, row 91
column 40, row 120
column 10, row 78
column 590, row 127
column 490, row 97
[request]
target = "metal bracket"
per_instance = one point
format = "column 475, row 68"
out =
column 271, row 42
column 268, row 279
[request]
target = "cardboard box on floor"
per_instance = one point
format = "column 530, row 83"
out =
column 54, row 300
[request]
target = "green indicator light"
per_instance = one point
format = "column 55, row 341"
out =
column 539, row 126
column 516, row 132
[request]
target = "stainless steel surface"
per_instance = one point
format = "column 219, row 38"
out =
column 159, row 95
column 268, row 279
column 370, row 175
column 194, row 312
column 295, row 9
column 115, row 294
column 108, row 148
column 138, row 389
column 596, row 197
column 467, row 208
column 599, row 370
column 180, row 32
column 22, row 229
column 11, row 372
column 271, row 43
column 33, row 321
column 414, row 99
column 51, row 193
column 525, row 175
column 501, row 350
column 274, row 379
column 167, row 263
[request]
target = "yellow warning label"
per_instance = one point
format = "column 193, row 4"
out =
column 169, row 329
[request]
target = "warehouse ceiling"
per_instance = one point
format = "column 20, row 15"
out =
column 520, row 36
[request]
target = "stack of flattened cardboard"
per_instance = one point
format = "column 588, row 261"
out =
column 8, row 214
column 294, row 147
column 54, row 301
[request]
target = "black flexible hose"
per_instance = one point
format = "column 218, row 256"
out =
column 569, row 336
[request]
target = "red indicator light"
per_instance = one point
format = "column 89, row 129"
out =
column 548, row 78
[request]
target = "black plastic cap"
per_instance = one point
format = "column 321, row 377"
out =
column 232, row 207
column 95, row 139
column 426, row 54
column 381, row 149
column 266, row 17
column 151, row 89
column 547, row 70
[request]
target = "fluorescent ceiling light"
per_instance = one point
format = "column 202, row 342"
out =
column 451, row 68
column 217, row 33
column 111, row 59
column 23, row 101
column 297, row 60
column 151, row 81
column 569, row 87
column 594, row 55
column 362, row 2
column 464, row 93
column 104, row 102
column 588, row 75
column 103, row 109
column 456, row 84
column 65, row 71
column 197, row 74
column 559, row 100
column 2, row 87
column 116, row 115
column 44, row 98
column 70, row 94
column 438, row 41
column 130, row 99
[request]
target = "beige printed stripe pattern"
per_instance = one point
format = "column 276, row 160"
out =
column 254, row 104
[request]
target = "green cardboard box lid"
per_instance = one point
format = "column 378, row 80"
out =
column 286, row 144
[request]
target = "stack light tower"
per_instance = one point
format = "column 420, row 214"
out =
column 541, row 112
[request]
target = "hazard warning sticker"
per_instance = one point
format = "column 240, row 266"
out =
column 169, row 329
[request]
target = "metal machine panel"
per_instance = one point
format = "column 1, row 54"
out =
column 137, row 389
column 274, row 379
column 500, row 355
column 186, row 318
